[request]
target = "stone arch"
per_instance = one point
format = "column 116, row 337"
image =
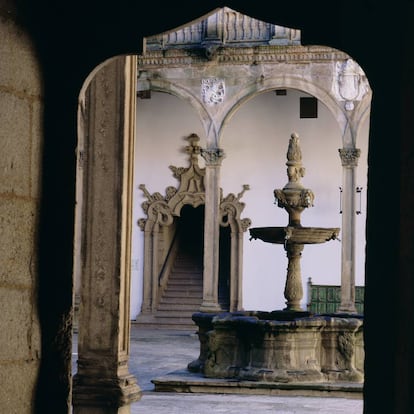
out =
column 160, row 213
column 291, row 82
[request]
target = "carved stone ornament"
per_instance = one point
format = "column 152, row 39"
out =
column 350, row 83
column 224, row 26
column 231, row 208
column 212, row 91
column 349, row 156
column 212, row 156
column 346, row 346
column 161, row 209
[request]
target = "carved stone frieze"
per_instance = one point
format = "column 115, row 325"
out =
column 304, row 198
column 245, row 56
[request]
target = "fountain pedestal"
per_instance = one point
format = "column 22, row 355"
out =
column 293, row 287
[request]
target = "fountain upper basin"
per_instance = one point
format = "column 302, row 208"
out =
column 294, row 235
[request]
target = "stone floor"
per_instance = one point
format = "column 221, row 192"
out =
column 156, row 353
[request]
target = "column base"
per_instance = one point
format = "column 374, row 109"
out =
column 210, row 307
column 104, row 395
column 347, row 309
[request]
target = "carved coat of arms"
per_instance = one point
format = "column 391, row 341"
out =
column 212, row 90
column 350, row 83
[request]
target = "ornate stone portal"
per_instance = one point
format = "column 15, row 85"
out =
column 288, row 346
column 159, row 228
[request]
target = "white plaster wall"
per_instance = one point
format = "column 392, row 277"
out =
column 255, row 141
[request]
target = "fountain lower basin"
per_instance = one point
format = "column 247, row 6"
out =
column 262, row 347
column 294, row 235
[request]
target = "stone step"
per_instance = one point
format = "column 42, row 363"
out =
column 180, row 285
column 172, row 307
column 187, row 300
column 191, row 277
column 188, row 296
column 181, row 280
column 176, row 321
column 186, row 272
column 169, row 325
column 182, row 295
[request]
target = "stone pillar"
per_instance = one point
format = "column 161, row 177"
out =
column 349, row 159
column 213, row 158
column 103, row 384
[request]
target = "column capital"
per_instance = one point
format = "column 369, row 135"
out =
column 349, row 156
column 212, row 156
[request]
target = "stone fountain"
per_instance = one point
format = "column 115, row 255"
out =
column 294, row 198
column 289, row 346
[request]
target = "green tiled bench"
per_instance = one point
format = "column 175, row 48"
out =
column 327, row 298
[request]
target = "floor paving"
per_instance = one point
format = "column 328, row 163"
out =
column 155, row 353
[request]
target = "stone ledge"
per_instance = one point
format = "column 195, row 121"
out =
column 183, row 381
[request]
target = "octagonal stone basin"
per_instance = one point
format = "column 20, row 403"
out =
column 294, row 235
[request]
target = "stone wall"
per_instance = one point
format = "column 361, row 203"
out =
column 20, row 143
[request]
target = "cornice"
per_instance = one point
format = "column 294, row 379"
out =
column 240, row 56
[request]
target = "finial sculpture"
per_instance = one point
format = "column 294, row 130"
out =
column 294, row 198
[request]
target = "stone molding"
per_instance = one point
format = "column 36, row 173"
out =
column 242, row 56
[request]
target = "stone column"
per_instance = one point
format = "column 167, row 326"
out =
column 349, row 159
column 103, row 384
column 213, row 158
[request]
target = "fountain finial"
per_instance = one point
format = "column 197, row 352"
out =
column 294, row 198
column 295, row 170
column 294, row 153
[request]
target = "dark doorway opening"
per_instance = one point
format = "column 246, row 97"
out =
column 191, row 231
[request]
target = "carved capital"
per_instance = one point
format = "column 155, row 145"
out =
column 213, row 156
column 349, row 156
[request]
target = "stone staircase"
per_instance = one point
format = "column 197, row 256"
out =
column 182, row 295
